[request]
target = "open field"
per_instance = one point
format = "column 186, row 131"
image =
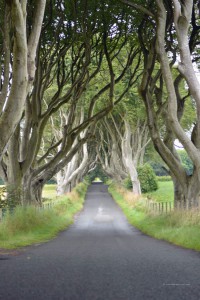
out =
column 49, row 191
column 164, row 192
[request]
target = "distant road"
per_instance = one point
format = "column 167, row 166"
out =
column 101, row 257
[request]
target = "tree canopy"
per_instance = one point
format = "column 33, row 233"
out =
column 89, row 82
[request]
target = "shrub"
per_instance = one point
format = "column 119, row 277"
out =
column 127, row 183
column 147, row 177
column 87, row 180
column 81, row 188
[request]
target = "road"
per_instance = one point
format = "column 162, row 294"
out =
column 101, row 257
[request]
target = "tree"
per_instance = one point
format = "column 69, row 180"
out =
column 97, row 172
column 18, row 49
column 69, row 172
column 67, row 177
column 173, row 33
column 124, row 137
column 72, row 53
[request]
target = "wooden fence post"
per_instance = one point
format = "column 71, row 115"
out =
column 161, row 207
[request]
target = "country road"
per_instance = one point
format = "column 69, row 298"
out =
column 101, row 257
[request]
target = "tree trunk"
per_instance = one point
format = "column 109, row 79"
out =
column 64, row 189
column 187, row 196
column 14, row 192
column 135, row 181
column 13, row 178
column 128, row 159
column 179, row 199
column 32, row 191
column 22, row 72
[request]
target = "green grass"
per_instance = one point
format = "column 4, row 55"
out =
column 179, row 227
column 30, row 225
column 49, row 191
column 164, row 192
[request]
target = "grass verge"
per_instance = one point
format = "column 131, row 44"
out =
column 179, row 227
column 29, row 225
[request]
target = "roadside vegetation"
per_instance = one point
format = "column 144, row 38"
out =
column 29, row 225
column 178, row 227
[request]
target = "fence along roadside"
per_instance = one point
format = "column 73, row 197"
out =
column 4, row 209
column 160, row 207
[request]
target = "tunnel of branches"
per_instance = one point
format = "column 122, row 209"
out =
column 98, row 89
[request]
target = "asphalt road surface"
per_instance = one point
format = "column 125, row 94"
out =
column 101, row 257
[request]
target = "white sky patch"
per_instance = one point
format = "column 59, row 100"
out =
column 178, row 145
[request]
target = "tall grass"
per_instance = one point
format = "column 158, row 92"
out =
column 30, row 225
column 178, row 227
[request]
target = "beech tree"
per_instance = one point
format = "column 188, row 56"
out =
column 61, row 64
column 18, row 47
column 82, row 163
column 68, row 60
column 67, row 177
column 169, row 34
column 122, row 146
column 109, row 154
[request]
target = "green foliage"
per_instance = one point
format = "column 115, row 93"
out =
column 154, row 159
column 9, row 198
column 189, row 116
column 98, row 172
column 51, row 181
column 127, row 183
column 186, row 161
column 147, row 178
column 81, row 189
column 159, row 169
column 132, row 107
column 164, row 178
column 87, row 180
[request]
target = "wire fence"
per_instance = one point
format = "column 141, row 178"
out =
column 46, row 205
column 160, row 207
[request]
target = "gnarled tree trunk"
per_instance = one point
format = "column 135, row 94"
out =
column 128, row 160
